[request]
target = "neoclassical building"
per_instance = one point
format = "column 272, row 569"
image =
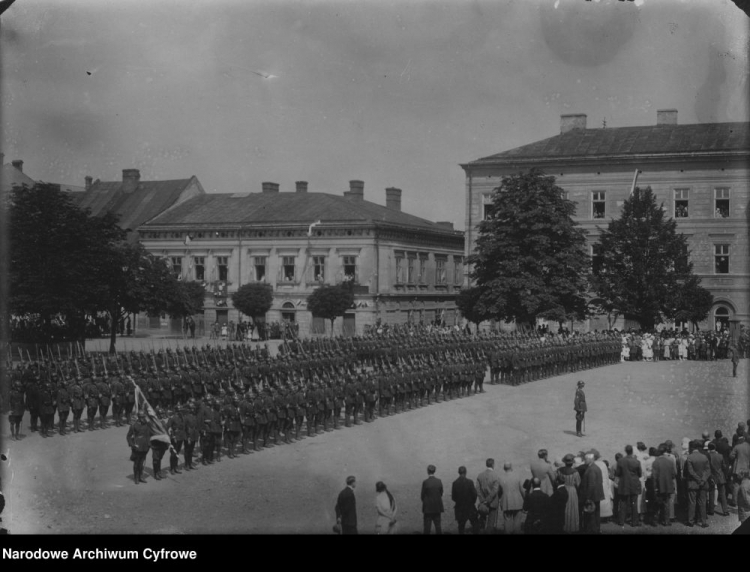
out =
column 698, row 172
column 403, row 267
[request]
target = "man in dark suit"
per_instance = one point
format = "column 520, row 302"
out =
column 558, row 502
column 432, row 501
column 719, row 478
column 346, row 508
column 663, row 474
column 592, row 491
column 464, row 494
column 629, row 473
column 698, row 472
column 537, row 505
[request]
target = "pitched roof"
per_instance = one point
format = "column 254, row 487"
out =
column 303, row 208
column 699, row 138
column 10, row 176
column 149, row 199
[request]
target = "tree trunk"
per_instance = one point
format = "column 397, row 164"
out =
column 113, row 330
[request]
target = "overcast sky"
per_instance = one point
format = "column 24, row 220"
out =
column 392, row 93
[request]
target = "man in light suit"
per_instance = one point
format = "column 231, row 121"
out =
column 698, row 471
column 543, row 470
column 718, row 475
column 511, row 500
column 432, row 501
column 740, row 460
column 464, row 495
column 346, row 508
column 663, row 474
column 488, row 492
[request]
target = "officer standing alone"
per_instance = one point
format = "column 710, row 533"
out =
column 579, row 404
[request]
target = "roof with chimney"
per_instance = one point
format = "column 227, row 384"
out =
column 286, row 208
column 654, row 140
column 12, row 175
column 134, row 200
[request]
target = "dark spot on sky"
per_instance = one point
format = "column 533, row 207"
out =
column 88, row 73
column 588, row 34
column 3, row 457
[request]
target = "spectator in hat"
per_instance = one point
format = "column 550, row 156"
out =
column 592, row 491
column 629, row 474
column 572, row 481
column 346, row 508
column 557, row 508
column 536, row 505
column 542, row 469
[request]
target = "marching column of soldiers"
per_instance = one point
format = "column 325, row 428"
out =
column 241, row 400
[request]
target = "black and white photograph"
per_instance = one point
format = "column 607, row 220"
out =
column 364, row 267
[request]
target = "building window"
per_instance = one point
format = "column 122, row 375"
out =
column 681, row 197
column 399, row 268
column 319, row 268
column 441, row 277
column 200, row 268
column 458, row 270
column 176, row 263
column 721, row 316
column 287, row 268
column 721, row 258
column 260, row 268
column 350, row 269
column 722, row 203
column 598, row 205
column 422, row 269
column 596, row 258
column 410, row 269
column 222, row 262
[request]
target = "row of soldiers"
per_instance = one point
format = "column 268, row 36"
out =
column 307, row 382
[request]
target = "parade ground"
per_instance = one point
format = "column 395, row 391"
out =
column 82, row 483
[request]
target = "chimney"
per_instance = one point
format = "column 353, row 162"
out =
column 301, row 186
column 130, row 179
column 88, row 182
column 356, row 191
column 18, row 164
column 270, row 187
column 572, row 121
column 393, row 198
column 666, row 117
column 445, row 224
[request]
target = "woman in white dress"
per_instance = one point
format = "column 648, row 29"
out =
column 605, row 507
column 625, row 349
column 646, row 348
column 683, row 349
column 385, row 504
column 667, row 348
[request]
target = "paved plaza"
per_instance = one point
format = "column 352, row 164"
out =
column 82, row 483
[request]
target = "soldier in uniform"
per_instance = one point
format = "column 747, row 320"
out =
column 261, row 419
column 158, row 448
column 17, row 409
column 32, row 401
column 77, row 402
column 279, row 404
column 192, row 434
column 118, row 399
column 177, row 434
column 270, row 427
column 138, row 438
column 104, row 391
column 216, row 428
column 579, row 405
column 233, row 426
column 47, row 409
column 63, row 406
column 247, row 418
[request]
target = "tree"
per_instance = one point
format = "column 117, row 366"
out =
column 467, row 302
column 645, row 263
column 56, row 248
column 530, row 259
column 190, row 299
column 330, row 302
column 131, row 281
column 254, row 300
column 691, row 303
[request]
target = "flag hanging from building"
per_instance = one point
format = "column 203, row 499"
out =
column 158, row 433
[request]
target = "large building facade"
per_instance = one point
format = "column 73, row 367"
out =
column 404, row 268
column 698, row 172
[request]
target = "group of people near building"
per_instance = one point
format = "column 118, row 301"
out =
column 674, row 345
column 578, row 492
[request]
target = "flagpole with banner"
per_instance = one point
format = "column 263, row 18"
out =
column 158, row 433
column 635, row 180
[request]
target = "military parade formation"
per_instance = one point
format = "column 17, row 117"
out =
column 235, row 399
